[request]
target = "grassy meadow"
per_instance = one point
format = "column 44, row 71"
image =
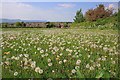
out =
column 59, row 53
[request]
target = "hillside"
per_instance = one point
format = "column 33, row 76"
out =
column 104, row 23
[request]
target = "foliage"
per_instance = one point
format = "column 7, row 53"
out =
column 66, row 25
column 4, row 25
column 20, row 24
column 97, row 13
column 49, row 25
column 79, row 16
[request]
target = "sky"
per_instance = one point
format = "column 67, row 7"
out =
column 50, row 11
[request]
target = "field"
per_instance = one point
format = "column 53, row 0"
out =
column 59, row 53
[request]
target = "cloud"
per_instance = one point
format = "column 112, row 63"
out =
column 112, row 7
column 25, row 11
column 16, row 10
column 66, row 5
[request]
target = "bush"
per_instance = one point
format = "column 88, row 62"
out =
column 66, row 25
column 4, row 25
column 97, row 13
column 20, row 24
column 49, row 25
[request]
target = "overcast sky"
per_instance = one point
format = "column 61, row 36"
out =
column 50, row 11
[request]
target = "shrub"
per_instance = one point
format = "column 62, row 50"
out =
column 97, row 13
column 49, row 25
column 20, row 24
column 66, row 25
column 4, row 25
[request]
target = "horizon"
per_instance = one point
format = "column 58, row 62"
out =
column 49, row 11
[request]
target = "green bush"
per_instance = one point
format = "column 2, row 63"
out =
column 20, row 24
column 4, row 25
column 49, row 25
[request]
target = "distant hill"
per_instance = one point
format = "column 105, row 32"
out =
column 19, row 20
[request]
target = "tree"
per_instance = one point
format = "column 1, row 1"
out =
column 20, row 24
column 23, row 24
column 4, row 25
column 79, row 16
column 97, row 13
column 49, row 25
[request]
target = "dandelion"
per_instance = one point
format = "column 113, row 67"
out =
column 25, row 67
column 53, row 71
column 49, row 60
column 20, row 55
column 53, row 53
column 42, row 55
column 78, row 62
column 64, row 60
column 103, row 58
column 24, row 59
column 88, row 56
column 7, row 62
column 105, row 48
column 77, row 67
column 99, row 59
column 60, row 62
column 40, row 71
column 57, row 58
column 98, row 65
column 26, row 55
column 73, row 71
column 113, row 62
column 37, row 69
column 38, row 49
column 16, row 58
column 49, row 64
column 69, row 54
column 91, row 68
column 33, row 64
column 61, row 54
column 76, row 53
column 15, row 73
column 13, row 57
column 87, row 66
column 46, row 54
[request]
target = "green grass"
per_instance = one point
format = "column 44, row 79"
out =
column 73, row 53
column 103, row 23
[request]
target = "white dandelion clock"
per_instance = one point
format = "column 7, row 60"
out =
column 73, row 71
column 15, row 73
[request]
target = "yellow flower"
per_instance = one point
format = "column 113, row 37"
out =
column 6, row 53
